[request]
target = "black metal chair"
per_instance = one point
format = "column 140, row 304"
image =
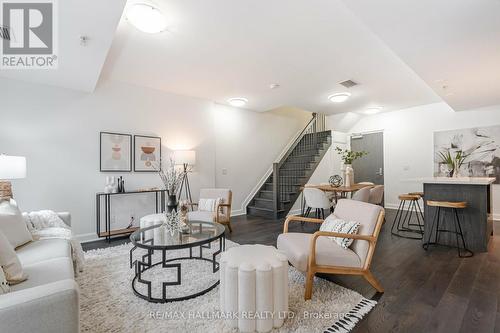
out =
column 454, row 206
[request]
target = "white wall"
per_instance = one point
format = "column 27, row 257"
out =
column 408, row 141
column 58, row 131
column 247, row 143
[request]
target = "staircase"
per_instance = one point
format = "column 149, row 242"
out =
column 282, row 188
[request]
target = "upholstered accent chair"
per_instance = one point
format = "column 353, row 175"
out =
column 316, row 253
column 362, row 194
column 221, row 214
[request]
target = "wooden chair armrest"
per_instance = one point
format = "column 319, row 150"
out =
column 297, row 218
column 193, row 204
column 342, row 235
column 218, row 210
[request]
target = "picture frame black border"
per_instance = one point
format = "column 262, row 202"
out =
column 100, row 151
column 151, row 137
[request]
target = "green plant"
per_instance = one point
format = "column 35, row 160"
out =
column 348, row 155
column 453, row 162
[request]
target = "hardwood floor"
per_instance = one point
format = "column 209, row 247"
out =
column 431, row 291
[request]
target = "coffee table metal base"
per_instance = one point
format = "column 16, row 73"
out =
column 141, row 266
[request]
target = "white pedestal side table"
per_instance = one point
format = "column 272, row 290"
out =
column 254, row 284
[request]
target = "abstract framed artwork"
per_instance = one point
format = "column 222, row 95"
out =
column 479, row 145
column 147, row 153
column 115, row 152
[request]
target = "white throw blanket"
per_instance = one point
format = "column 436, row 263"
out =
column 46, row 224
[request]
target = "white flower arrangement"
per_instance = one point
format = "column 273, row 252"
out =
column 171, row 177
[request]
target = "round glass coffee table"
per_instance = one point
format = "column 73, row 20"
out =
column 166, row 254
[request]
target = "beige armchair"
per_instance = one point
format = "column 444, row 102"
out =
column 222, row 213
column 316, row 253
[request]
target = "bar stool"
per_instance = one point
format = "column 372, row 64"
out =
column 403, row 224
column 421, row 195
column 454, row 206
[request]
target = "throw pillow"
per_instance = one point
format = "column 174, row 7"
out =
column 4, row 285
column 12, row 224
column 10, row 262
column 209, row 205
column 340, row 226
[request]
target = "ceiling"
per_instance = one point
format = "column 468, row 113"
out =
column 401, row 55
column 79, row 66
column 451, row 43
column 224, row 48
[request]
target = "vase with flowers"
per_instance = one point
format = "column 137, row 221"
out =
column 172, row 179
column 348, row 156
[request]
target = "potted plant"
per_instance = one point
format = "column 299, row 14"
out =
column 453, row 163
column 348, row 156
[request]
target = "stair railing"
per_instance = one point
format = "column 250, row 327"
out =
column 305, row 142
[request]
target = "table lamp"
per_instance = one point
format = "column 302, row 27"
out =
column 11, row 167
column 186, row 158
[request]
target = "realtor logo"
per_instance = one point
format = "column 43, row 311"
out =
column 29, row 34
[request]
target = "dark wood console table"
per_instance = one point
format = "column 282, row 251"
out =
column 103, row 207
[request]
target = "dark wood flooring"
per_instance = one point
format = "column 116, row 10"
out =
column 431, row 291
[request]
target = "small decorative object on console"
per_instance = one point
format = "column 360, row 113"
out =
column 335, row 180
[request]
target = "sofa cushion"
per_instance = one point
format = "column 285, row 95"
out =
column 4, row 285
column 297, row 246
column 12, row 224
column 46, row 271
column 45, row 249
column 9, row 262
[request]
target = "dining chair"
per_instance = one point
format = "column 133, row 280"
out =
column 317, row 199
column 362, row 194
column 376, row 195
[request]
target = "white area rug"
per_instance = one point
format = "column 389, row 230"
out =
column 108, row 304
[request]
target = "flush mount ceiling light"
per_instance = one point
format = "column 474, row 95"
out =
column 237, row 101
column 146, row 18
column 373, row 110
column 339, row 97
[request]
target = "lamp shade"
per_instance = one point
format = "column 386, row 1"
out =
column 185, row 157
column 12, row 167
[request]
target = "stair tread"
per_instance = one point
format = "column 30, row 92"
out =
column 264, row 199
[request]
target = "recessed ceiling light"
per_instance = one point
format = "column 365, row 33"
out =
column 146, row 18
column 373, row 110
column 274, row 86
column 237, row 101
column 339, row 97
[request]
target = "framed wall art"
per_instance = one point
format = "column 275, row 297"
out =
column 147, row 153
column 115, row 152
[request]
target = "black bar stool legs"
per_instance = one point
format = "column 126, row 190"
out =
column 463, row 251
column 402, row 226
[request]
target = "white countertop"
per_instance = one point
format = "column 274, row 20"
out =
column 458, row 180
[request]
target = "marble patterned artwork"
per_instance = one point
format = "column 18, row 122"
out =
column 480, row 146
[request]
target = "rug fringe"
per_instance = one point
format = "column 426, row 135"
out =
column 349, row 321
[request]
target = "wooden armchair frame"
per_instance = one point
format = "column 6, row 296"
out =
column 313, row 268
column 218, row 210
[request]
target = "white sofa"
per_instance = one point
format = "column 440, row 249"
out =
column 48, row 300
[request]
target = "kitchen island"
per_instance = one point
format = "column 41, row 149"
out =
column 475, row 222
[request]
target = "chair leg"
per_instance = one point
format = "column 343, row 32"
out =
column 229, row 226
column 309, row 284
column 373, row 281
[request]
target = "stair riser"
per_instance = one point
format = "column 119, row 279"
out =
column 264, row 204
column 266, row 195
